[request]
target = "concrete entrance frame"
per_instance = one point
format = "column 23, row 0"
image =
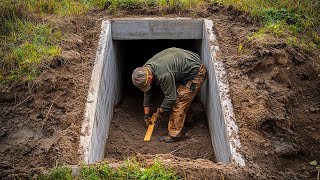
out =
column 104, row 89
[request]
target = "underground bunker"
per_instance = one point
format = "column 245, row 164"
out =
column 128, row 43
column 127, row 127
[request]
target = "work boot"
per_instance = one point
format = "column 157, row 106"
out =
column 168, row 139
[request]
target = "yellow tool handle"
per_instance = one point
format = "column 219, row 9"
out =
column 150, row 128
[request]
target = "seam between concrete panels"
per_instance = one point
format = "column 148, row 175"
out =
column 231, row 126
column 91, row 104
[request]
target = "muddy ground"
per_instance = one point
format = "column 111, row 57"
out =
column 274, row 90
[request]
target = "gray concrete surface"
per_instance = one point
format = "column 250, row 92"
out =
column 215, row 97
column 156, row 29
column 102, row 96
column 105, row 84
column 210, row 97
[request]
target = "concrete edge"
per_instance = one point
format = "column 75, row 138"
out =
column 154, row 18
column 90, row 107
column 223, row 85
column 166, row 28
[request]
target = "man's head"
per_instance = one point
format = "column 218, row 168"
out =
column 141, row 77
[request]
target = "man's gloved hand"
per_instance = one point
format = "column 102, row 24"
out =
column 147, row 119
column 159, row 113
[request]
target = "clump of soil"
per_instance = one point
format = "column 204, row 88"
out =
column 128, row 129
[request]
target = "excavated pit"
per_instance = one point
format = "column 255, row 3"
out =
column 127, row 127
column 113, row 126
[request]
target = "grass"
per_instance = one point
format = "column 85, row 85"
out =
column 296, row 21
column 26, row 43
column 25, row 48
column 178, row 5
column 130, row 170
column 59, row 173
column 63, row 7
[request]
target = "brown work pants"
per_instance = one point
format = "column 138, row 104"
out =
column 185, row 95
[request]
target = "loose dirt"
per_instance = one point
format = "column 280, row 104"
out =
column 40, row 123
column 274, row 90
column 128, row 129
column 275, row 93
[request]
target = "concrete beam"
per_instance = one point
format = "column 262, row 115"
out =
column 156, row 29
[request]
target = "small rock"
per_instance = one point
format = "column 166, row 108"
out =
column 267, row 144
column 285, row 149
column 282, row 60
column 280, row 57
column 258, row 175
column 266, row 153
column 313, row 109
column 251, row 101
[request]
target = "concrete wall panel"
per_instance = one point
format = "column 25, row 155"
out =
column 211, row 99
column 219, row 109
column 87, row 133
column 103, row 94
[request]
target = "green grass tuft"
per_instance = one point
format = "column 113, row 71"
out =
column 158, row 171
column 130, row 170
column 58, row 173
column 26, row 47
column 297, row 21
column 63, row 7
column 115, row 5
column 95, row 172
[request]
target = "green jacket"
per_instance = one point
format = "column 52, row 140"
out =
column 171, row 67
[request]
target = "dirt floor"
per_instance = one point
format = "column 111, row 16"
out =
column 128, row 129
column 274, row 90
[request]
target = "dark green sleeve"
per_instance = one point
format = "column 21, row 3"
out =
column 147, row 98
column 168, row 87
